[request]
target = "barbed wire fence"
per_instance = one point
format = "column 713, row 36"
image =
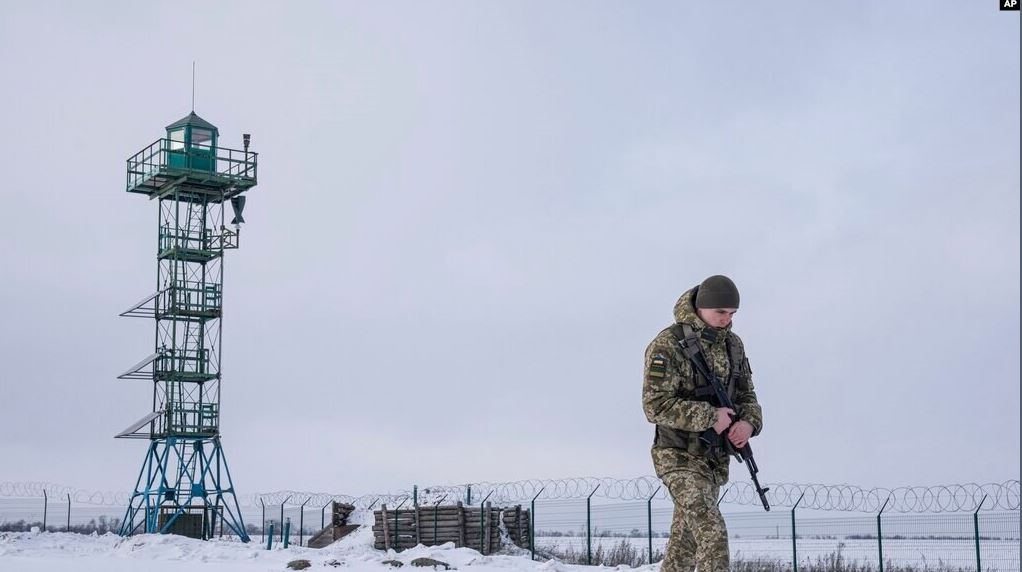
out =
column 597, row 520
column 848, row 498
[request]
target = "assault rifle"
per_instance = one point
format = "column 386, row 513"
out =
column 710, row 437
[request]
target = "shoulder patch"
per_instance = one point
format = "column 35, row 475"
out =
column 658, row 366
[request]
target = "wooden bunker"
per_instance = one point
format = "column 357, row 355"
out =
column 338, row 527
column 471, row 527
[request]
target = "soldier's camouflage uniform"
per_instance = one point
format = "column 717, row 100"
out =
column 698, row 534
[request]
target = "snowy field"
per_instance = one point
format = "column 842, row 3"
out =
column 63, row 552
column 67, row 552
column 1002, row 555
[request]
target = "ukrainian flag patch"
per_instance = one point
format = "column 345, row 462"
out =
column 658, row 367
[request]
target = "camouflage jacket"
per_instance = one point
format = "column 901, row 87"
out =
column 669, row 402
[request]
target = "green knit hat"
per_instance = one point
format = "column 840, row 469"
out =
column 717, row 292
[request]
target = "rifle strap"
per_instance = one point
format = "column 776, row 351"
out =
column 688, row 340
column 690, row 348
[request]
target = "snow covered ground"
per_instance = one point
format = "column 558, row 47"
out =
column 69, row 552
column 63, row 552
column 1002, row 555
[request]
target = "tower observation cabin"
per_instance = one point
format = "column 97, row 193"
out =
column 190, row 152
column 184, row 485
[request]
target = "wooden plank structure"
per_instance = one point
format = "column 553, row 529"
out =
column 339, row 513
column 469, row 527
column 338, row 527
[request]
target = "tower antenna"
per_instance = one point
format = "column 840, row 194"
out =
column 193, row 86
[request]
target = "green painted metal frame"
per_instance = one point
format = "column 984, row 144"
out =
column 649, row 521
column 975, row 525
column 185, row 469
column 532, row 523
column 436, row 508
column 151, row 171
column 181, row 486
column 482, row 523
column 192, row 155
column 880, row 535
column 794, row 544
column 589, row 529
column 322, row 515
column 282, row 515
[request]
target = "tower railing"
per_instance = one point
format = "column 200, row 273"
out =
column 184, row 239
column 190, row 299
column 184, row 418
column 180, row 362
column 166, row 157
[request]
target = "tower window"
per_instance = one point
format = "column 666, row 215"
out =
column 203, row 137
column 177, row 139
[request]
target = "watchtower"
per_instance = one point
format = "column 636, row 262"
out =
column 185, row 486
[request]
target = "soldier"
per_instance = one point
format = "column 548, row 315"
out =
column 675, row 400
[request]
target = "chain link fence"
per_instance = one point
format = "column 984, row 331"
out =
column 811, row 527
column 629, row 532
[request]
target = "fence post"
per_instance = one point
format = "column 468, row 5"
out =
column 468, row 495
column 415, row 495
column 482, row 528
column 649, row 520
column 322, row 515
column 589, row 527
column 282, row 517
column 724, row 495
column 69, row 512
column 880, row 534
column 264, row 519
column 301, row 523
column 287, row 532
column 269, row 537
column 532, row 523
column 397, row 539
column 794, row 545
column 975, row 525
column 435, row 508
column 46, row 502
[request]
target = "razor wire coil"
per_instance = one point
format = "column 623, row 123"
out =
column 844, row 497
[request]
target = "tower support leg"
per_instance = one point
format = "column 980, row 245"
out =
column 179, row 477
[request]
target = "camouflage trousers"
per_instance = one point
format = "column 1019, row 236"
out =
column 698, row 533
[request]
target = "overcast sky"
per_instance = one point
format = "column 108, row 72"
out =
column 472, row 217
